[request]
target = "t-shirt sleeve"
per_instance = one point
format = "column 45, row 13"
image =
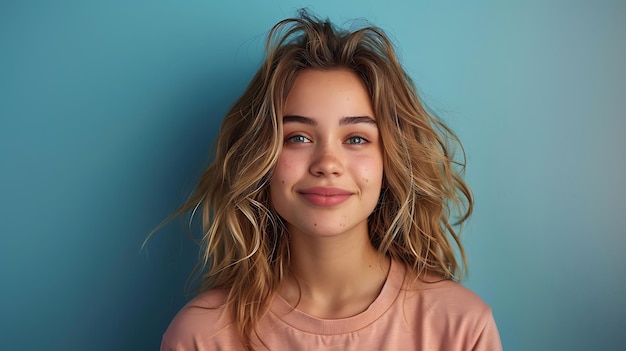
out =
column 203, row 324
column 165, row 346
column 489, row 338
column 458, row 318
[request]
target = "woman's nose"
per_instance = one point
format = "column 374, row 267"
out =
column 326, row 162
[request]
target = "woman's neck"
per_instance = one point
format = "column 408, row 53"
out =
column 334, row 277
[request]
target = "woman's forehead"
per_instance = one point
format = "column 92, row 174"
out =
column 317, row 94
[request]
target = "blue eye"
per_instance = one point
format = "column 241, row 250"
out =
column 298, row 139
column 356, row 140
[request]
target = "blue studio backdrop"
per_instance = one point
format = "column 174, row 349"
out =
column 108, row 110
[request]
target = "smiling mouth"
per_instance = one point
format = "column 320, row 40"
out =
column 325, row 197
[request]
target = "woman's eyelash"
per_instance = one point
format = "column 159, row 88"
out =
column 357, row 140
column 298, row 139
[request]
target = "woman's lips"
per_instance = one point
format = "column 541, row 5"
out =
column 323, row 196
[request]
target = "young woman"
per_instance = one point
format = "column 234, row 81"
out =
column 328, row 211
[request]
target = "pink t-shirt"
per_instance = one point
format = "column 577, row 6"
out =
column 405, row 316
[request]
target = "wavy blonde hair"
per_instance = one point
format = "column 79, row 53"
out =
column 245, row 244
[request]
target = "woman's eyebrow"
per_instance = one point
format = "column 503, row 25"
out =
column 357, row 119
column 342, row 122
column 299, row 119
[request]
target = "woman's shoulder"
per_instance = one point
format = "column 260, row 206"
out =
column 445, row 297
column 213, row 299
column 200, row 322
column 439, row 298
column 453, row 293
column 452, row 312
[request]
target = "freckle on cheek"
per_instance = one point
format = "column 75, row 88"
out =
column 315, row 224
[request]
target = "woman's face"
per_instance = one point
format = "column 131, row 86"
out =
column 329, row 174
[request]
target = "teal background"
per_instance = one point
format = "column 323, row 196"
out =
column 108, row 110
